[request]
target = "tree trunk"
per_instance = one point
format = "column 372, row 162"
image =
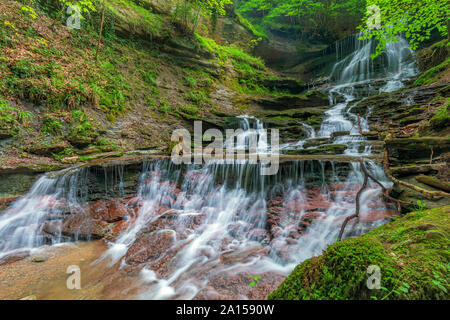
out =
column 101, row 31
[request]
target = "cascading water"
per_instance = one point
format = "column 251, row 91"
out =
column 356, row 74
column 221, row 221
column 252, row 128
column 21, row 224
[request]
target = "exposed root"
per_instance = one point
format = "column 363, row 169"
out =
column 358, row 204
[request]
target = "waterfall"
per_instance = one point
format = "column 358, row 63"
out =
column 21, row 224
column 218, row 210
column 355, row 72
column 252, row 129
column 202, row 230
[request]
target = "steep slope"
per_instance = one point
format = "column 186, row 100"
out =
column 59, row 105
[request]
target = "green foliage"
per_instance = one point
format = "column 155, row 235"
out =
column 106, row 145
column 420, row 206
column 442, row 118
column 322, row 19
column 255, row 280
column 255, row 29
column 199, row 98
column 415, row 19
column 51, row 125
column 80, row 124
column 188, row 12
column 11, row 118
column 223, row 53
column 190, row 110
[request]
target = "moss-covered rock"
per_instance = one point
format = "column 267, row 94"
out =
column 412, row 254
column 407, row 149
column 432, row 56
column 311, row 99
column 328, row 149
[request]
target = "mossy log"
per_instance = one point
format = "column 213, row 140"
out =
column 434, row 182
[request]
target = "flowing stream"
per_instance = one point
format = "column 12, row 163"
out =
column 203, row 231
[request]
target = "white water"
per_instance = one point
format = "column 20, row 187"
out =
column 251, row 133
column 355, row 81
column 21, row 224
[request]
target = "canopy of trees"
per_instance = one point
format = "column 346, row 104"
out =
column 313, row 19
column 413, row 19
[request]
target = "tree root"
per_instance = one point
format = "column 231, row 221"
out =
column 385, row 191
column 358, row 204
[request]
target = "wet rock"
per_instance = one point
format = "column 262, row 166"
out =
column 258, row 234
column 285, row 84
column 340, row 134
column 83, row 227
column 375, row 215
column 5, row 202
column 311, row 215
column 112, row 211
column 311, row 99
column 315, row 142
column 14, row 256
column 5, row 134
column 371, row 135
column 149, row 247
column 330, row 149
column 47, row 147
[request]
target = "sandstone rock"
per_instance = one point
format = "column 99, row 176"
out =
column 149, row 247
column 13, row 257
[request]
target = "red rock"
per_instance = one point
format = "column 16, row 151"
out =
column 82, row 227
column 258, row 234
column 311, row 215
column 276, row 210
column 149, row 247
column 110, row 212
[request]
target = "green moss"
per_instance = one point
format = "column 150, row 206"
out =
column 430, row 75
column 223, row 53
column 106, row 145
column 51, row 125
column 442, row 118
column 412, row 250
column 191, row 110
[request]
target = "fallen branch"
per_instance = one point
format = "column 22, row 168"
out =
column 358, row 204
column 431, row 156
column 359, row 125
column 434, row 182
column 100, row 32
column 431, row 195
